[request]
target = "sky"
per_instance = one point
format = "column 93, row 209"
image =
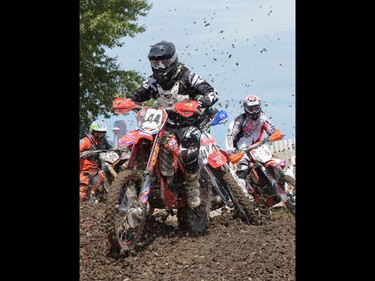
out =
column 240, row 47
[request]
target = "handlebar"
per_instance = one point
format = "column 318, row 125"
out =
column 173, row 109
column 184, row 108
column 257, row 144
column 276, row 135
column 221, row 117
column 235, row 157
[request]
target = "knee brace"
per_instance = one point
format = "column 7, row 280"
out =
column 241, row 174
column 189, row 155
column 243, row 165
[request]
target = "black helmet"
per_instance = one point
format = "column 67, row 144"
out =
column 163, row 59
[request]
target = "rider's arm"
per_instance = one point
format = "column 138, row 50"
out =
column 84, row 144
column 144, row 92
column 268, row 127
column 234, row 129
column 206, row 95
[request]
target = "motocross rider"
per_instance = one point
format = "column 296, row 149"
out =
column 246, row 129
column 172, row 82
column 89, row 169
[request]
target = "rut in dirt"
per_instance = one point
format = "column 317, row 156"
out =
column 229, row 250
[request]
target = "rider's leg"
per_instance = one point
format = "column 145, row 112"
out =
column 89, row 182
column 242, row 171
column 192, row 189
column 83, row 187
column 189, row 155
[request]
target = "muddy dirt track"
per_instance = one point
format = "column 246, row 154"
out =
column 230, row 250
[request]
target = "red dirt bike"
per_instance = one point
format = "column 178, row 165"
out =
column 266, row 179
column 111, row 161
column 154, row 177
column 217, row 174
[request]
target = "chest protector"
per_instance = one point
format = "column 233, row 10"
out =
column 167, row 98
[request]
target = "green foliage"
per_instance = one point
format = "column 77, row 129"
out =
column 150, row 103
column 102, row 24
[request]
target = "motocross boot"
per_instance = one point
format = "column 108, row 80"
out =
column 192, row 190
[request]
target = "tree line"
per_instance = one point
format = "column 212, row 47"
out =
column 102, row 24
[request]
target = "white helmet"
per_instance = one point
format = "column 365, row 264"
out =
column 252, row 106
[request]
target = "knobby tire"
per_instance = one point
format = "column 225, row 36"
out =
column 243, row 205
column 112, row 215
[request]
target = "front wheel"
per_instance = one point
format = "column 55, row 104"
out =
column 290, row 188
column 124, row 215
column 242, row 204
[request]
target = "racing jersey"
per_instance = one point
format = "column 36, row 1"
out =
column 187, row 86
column 244, row 131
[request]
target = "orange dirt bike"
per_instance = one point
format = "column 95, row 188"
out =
column 154, row 178
column 266, row 179
column 219, row 176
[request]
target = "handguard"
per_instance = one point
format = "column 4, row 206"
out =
column 122, row 105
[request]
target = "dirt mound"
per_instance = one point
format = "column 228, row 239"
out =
column 230, row 250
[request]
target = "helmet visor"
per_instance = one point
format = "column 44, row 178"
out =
column 164, row 63
column 253, row 109
column 98, row 135
column 156, row 64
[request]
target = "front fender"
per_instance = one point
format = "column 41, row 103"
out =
column 217, row 159
column 132, row 137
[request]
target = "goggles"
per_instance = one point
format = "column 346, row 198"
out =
column 165, row 63
column 253, row 109
column 98, row 135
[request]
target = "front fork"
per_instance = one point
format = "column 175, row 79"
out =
column 223, row 194
column 137, row 214
column 275, row 185
column 246, row 190
column 138, row 205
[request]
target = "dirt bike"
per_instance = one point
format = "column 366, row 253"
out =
column 111, row 162
column 266, row 179
column 220, row 177
column 154, row 178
